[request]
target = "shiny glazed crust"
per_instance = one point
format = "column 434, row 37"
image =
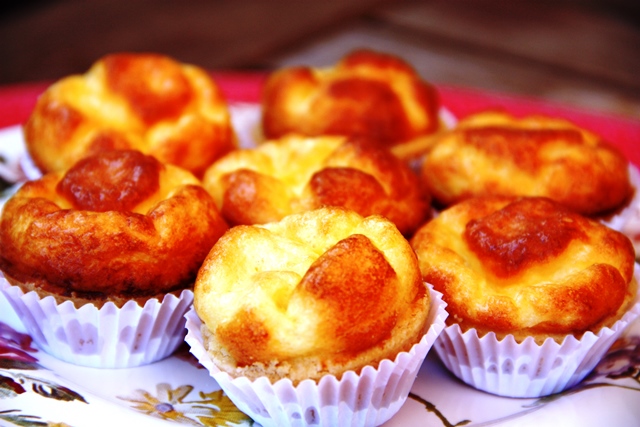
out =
column 145, row 102
column 316, row 293
column 118, row 224
column 526, row 266
column 295, row 174
column 370, row 94
column 494, row 153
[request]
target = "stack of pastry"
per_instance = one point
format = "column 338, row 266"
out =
column 519, row 250
column 119, row 223
column 124, row 216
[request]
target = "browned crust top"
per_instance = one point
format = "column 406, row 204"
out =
column 526, row 266
column 120, row 223
column 147, row 102
column 367, row 94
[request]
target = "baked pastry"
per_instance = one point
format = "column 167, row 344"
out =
column 100, row 260
column 146, row 102
column 117, row 224
column 295, row 174
column 526, row 280
column 367, row 94
column 526, row 267
column 301, row 318
column 312, row 303
column 494, row 153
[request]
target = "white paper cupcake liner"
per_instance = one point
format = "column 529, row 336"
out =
column 628, row 220
column 247, row 122
column 109, row 337
column 366, row 399
column 527, row 369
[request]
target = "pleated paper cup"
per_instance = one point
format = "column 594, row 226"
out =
column 627, row 221
column 106, row 337
column 368, row 398
column 527, row 369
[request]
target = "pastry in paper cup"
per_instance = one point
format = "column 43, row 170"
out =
column 367, row 94
column 319, row 318
column 330, row 170
column 368, row 398
column 105, row 337
column 525, row 369
column 97, row 258
column 536, row 292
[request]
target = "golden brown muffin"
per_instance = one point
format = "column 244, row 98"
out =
column 118, row 225
column 147, row 102
column 296, row 174
column 367, row 94
column 317, row 293
column 494, row 153
column 527, row 267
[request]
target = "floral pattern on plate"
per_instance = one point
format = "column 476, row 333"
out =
column 179, row 391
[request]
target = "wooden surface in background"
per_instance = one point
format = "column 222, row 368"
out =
column 56, row 38
column 582, row 53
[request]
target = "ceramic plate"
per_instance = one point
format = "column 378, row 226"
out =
column 37, row 389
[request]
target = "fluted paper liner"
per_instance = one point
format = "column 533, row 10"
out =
column 366, row 399
column 627, row 221
column 527, row 369
column 109, row 337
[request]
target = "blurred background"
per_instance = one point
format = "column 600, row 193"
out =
column 579, row 53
